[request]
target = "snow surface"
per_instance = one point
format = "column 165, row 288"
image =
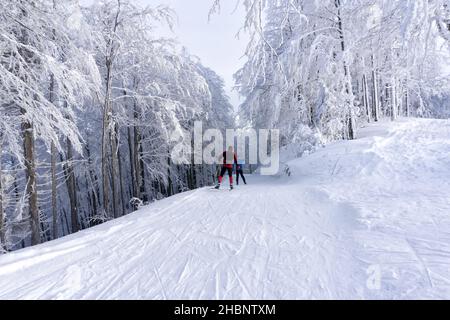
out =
column 377, row 206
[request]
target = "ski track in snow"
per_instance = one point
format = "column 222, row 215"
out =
column 382, row 200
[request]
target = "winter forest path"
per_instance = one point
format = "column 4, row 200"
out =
column 361, row 219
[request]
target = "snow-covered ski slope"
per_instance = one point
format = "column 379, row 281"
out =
column 364, row 219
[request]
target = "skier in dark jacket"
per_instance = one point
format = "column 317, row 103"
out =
column 240, row 172
column 228, row 158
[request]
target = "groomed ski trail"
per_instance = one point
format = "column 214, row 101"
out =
column 380, row 202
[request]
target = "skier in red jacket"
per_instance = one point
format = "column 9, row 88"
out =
column 228, row 157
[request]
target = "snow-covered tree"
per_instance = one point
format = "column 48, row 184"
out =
column 70, row 74
column 333, row 65
column 35, row 49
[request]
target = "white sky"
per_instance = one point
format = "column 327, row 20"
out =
column 214, row 41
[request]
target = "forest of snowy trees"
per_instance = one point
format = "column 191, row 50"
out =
column 89, row 99
column 90, row 96
column 328, row 66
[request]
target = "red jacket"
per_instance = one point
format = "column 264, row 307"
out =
column 225, row 163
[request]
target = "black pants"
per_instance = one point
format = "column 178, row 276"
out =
column 222, row 173
column 240, row 173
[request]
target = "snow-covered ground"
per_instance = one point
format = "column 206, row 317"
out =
column 364, row 219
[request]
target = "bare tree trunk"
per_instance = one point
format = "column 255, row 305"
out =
column 131, row 152
column 375, row 103
column 65, row 221
column 191, row 169
column 80, row 211
column 108, row 125
column 122, row 188
column 2, row 216
column 119, row 167
column 138, row 177
column 393, row 96
column 71, row 187
column 93, row 179
column 169, row 182
column 400, row 93
column 53, row 152
column 115, row 172
column 54, row 202
column 53, row 157
column 366, row 99
column 142, row 183
column 106, row 140
column 28, row 148
column 407, row 102
column 30, row 165
column 348, row 89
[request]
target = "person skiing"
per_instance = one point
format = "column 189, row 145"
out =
column 240, row 172
column 228, row 158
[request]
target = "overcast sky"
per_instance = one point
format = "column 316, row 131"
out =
column 214, row 42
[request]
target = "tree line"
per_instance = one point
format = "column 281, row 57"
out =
column 89, row 100
column 319, row 70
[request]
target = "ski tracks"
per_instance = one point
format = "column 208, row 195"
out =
column 378, row 202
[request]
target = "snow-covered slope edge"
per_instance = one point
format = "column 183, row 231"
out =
column 360, row 219
column 397, row 178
